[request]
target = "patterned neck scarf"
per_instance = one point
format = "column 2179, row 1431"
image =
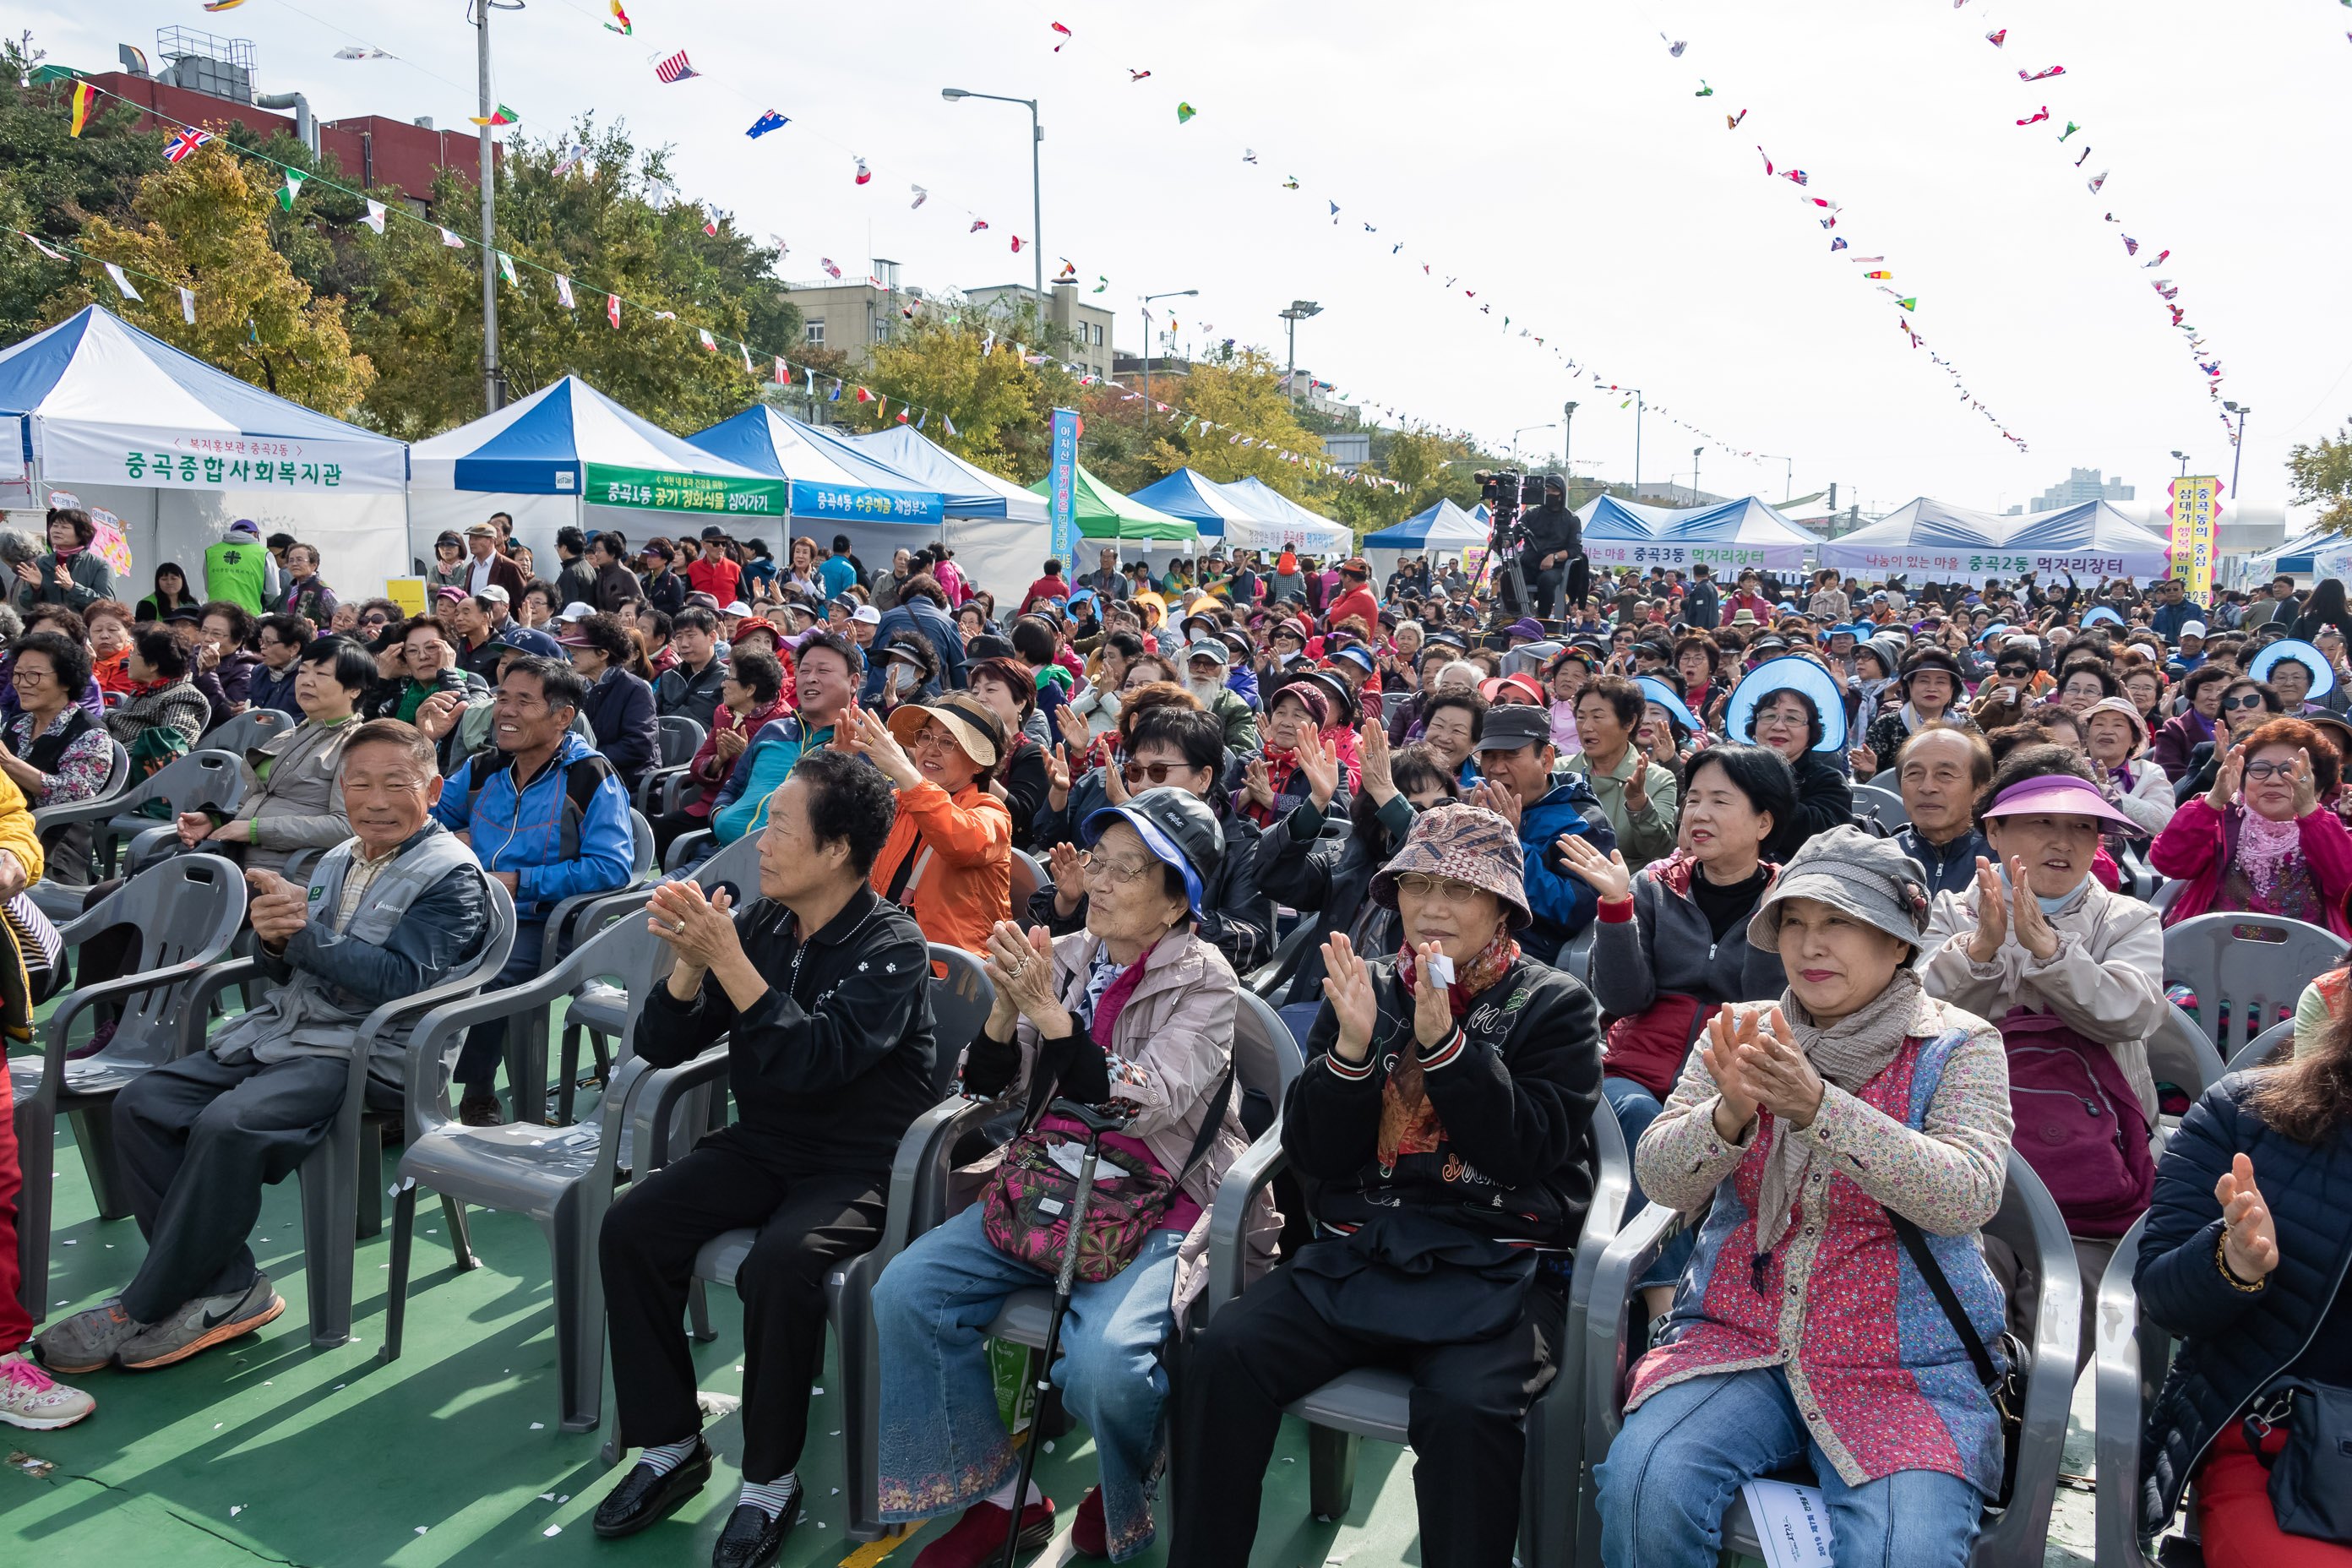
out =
column 1469, row 978
column 1849, row 1053
column 2267, row 853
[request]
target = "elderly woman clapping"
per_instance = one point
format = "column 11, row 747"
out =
column 1858, row 1104
column 2259, row 841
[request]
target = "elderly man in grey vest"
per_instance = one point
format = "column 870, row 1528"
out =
column 388, row 913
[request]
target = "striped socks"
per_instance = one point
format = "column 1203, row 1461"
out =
column 664, row 1457
column 771, row 1498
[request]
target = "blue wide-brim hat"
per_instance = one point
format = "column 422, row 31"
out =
column 2099, row 616
column 1801, row 675
column 1658, row 691
column 2323, row 674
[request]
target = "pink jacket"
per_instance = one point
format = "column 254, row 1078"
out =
column 2201, row 844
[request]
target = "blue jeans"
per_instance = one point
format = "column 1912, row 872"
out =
column 1636, row 1108
column 486, row 1043
column 944, row 1446
column 1684, row 1454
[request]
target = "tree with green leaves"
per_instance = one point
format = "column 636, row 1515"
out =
column 997, row 403
column 52, row 182
column 2321, row 476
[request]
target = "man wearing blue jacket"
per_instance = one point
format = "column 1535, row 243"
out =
column 1515, row 757
column 546, row 816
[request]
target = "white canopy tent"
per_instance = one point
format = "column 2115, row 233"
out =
column 1933, row 542
column 176, row 450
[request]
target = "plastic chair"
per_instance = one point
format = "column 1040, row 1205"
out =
column 2161, row 900
column 2179, row 1053
column 1376, row 1401
column 1273, row 977
column 2258, row 1052
column 1393, row 703
column 561, row 1178
column 332, row 1190
column 1028, row 876
column 685, row 846
column 207, row 780
column 190, row 912
column 64, row 846
column 2256, row 966
column 1886, row 804
column 247, row 729
column 676, row 739
column 2028, row 1220
column 2133, row 1355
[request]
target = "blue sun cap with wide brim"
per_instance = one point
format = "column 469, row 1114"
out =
column 2106, row 615
column 1801, row 675
column 1658, row 691
column 2323, row 674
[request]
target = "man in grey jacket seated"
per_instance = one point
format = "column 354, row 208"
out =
column 387, row 914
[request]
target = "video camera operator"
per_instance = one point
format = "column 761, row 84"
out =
column 1553, row 551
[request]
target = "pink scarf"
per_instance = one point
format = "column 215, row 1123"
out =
column 2267, row 852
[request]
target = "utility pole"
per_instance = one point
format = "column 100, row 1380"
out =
column 1637, row 444
column 1567, row 469
column 492, row 379
column 2238, row 461
column 1696, row 451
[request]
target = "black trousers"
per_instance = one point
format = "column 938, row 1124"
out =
column 672, row 826
column 1271, row 1347
column 198, row 1140
column 807, row 1224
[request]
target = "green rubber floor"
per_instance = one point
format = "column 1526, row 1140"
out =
column 265, row 1450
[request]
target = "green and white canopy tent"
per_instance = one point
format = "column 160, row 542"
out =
column 569, row 455
column 1104, row 514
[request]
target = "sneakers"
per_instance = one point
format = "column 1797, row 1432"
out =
column 31, row 1398
column 481, row 1111
column 87, row 1341
column 1090, row 1537
column 199, row 1324
column 978, row 1538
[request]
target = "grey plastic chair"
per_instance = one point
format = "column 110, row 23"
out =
column 65, row 846
column 1393, row 703
column 2028, row 1221
column 2179, row 1053
column 1376, row 1401
column 247, row 729
column 1885, row 803
column 205, row 780
column 676, row 739
column 2133, row 1356
column 2257, row 1052
column 687, row 846
column 2255, row 964
column 335, row 1187
column 190, row 912
column 1028, row 876
column 2162, row 897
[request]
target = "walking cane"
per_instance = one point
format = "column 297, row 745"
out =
column 1096, row 1123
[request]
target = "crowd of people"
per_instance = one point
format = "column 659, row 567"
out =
column 1497, row 870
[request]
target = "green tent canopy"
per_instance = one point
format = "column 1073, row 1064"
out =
column 1104, row 513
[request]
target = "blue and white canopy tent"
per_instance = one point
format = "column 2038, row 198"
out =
column 176, row 451
column 1729, row 538
column 835, row 487
column 1282, row 523
column 996, row 527
column 2322, row 552
column 1204, row 503
column 1934, row 543
column 569, row 455
column 1440, row 531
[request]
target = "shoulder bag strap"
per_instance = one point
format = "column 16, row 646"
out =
column 1915, row 1244
column 1209, row 1125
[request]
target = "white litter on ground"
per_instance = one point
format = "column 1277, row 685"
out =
column 539, row 1425
column 552, row 1530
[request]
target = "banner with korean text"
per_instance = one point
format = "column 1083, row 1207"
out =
column 2196, row 500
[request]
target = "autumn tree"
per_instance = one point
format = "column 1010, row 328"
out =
column 200, row 225
column 2321, row 476
column 1240, row 391
column 932, row 362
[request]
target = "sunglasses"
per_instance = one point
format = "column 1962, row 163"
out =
column 2251, row 700
column 2018, row 670
column 1158, row 772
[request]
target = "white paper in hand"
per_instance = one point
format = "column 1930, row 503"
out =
column 1791, row 1522
column 1441, row 969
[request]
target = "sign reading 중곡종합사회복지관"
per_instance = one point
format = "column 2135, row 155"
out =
column 657, row 489
column 69, row 453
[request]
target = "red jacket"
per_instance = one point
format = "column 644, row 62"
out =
column 1045, row 588
column 2200, row 846
column 1359, row 601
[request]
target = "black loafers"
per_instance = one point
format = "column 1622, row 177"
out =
column 752, row 1539
column 643, row 1497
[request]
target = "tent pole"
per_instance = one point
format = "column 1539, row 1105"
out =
column 490, row 400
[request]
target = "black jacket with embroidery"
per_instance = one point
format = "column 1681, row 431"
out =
column 834, row 1062
column 1502, row 1139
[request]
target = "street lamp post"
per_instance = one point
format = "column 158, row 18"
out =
column 1788, row 478
column 1036, row 187
column 1694, row 457
column 1172, row 294
column 2183, row 457
column 2239, row 461
column 1299, row 310
column 1515, row 439
column 1637, row 441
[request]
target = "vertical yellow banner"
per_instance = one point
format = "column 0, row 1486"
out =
column 2195, row 501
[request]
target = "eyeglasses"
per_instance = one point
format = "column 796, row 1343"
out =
column 2257, row 771
column 2251, row 700
column 1158, row 772
column 1421, row 885
column 1113, row 873
column 2014, row 671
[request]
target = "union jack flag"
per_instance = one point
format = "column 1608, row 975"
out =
column 186, row 141
column 675, row 69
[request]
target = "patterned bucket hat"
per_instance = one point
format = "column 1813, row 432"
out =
column 1463, row 843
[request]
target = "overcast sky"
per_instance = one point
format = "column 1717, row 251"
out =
column 1555, row 159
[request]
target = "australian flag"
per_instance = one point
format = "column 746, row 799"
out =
column 769, row 122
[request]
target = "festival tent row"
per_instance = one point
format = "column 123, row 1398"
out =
column 1106, row 516
column 837, row 488
column 1933, row 542
column 1246, row 514
column 2322, row 552
column 1731, row 537
column 1442, row 530
column 997, row 529
column 176, row 450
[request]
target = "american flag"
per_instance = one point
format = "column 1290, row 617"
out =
column 186, row 141
column 675, row 69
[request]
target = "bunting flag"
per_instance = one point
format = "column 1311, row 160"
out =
column 449, row 239
column 375, row 219
column 710, row 344
column 185, row 143
column 1066, row 36
column 571, row 159
column 188, row 306
column 2071, row 129
column 506, row 269
column 612, row 308
column 121, row 281
column 1998, row 38
column 501, row 115
column 83, row 99
column 921, row 196
column 2160, row 257
column 1016, row 244
column 627, row 28
column 782, row 377
column 1838, row 243
column 1184, row 111
column 563, row 291
column 223, row 4
column 675, row 69
column 1249, row 154
column 1335, row 215
column 1878, row 274
column 1731, row 121
column 1102, row 281
column 2037, row 116
column 977, row 225
column 866, row 396
column 1291, row 183
column 2100, row 180
column 769, row 120
column 2042, row 74
column 745, row 349
column 834, row 396
column 291, row 189
column 863, row 174
column 1704, row 90
column 830, row 269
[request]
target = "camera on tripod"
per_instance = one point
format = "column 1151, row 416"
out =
column 1504, row 493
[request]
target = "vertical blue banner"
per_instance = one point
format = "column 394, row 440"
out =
column 1062, row 495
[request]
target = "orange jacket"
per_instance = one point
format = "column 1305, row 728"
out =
column 962, row 880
